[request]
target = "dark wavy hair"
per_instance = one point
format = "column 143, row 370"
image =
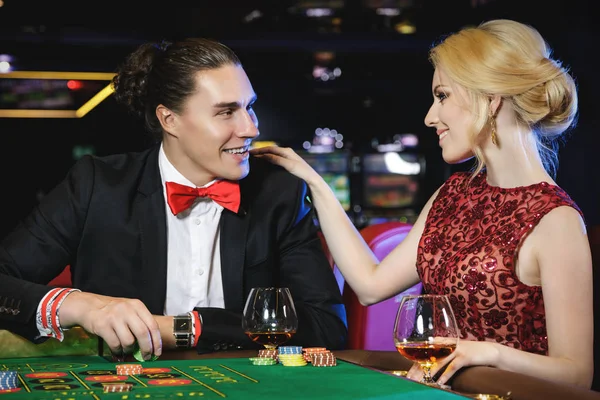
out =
column 165, row 73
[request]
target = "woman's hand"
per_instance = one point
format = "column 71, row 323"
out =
column 288, row 159
column 468, row 353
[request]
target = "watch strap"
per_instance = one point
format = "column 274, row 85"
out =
column 183, row 331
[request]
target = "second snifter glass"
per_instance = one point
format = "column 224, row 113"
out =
column 270, row 316
column 425, row 331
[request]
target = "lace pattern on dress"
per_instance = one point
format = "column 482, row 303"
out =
column 468, row 252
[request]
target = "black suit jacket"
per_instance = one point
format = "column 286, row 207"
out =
column 107, row 220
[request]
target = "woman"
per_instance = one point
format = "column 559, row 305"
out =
column 504, row 242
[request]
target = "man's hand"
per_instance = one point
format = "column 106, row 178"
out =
column 119, row 321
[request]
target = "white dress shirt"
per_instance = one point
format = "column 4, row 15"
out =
column 193, row 250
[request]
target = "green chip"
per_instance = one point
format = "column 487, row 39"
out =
column 262, row 361
column 137, row 354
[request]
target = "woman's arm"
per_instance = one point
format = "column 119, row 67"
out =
column 371, row 280
column 565, row 261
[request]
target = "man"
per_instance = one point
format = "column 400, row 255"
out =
column 182, row 226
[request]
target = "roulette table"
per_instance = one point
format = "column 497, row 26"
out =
column 85, row 377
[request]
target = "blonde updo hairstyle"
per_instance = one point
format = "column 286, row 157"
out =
column 512, row 60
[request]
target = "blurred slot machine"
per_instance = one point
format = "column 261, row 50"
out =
column 334, row 169
column 326, row 154
column 390, row 186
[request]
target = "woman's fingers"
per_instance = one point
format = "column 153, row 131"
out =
column 450, row 370
column 267, row 149
column 415, row 372
column 284, row 152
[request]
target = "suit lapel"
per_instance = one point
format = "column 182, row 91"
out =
column 150, row 213
column 234, row 229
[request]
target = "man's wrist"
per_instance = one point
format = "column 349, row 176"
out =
column 183, row 330
column 74, row 307
column 187, row 329
column 48, row 313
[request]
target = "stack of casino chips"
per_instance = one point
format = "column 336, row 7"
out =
column 291, row 356
column 117, row 387
column 309, row 351
column 323, row 359
column 268, row 353
column 263, row 360
column 289, row 350
column 129, row 369
column 8, row 380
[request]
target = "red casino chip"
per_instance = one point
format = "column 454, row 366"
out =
column 309, row 351
column 129, row 369
column 268, row 353
column 117, row 387
column 314, row 349
column 323, row 360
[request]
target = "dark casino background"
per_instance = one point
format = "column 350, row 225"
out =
column 347, row 82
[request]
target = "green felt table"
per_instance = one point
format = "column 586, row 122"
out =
column 82, row 377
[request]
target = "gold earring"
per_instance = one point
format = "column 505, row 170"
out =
column 493, row 126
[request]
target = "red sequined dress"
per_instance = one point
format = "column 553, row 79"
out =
column 468, row 251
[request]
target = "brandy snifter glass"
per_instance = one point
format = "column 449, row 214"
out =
column 270, row 316
column 425, row 331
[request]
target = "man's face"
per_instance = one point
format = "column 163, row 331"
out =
column 210, row 138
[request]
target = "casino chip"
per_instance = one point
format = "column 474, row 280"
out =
column 8, row 380
column 268, row 353
column 263, row 361
column 292, row 360
column 290, row 349
column 296, row 356
column 291, row 356
column 117, row 387
column 309, row 351
column 323, row 359
column 129, row 369
column 137, row 354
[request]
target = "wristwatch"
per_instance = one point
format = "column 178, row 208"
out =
column 182, row 330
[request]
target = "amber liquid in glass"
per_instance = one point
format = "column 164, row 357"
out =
column 270, row 339
column 424, row 352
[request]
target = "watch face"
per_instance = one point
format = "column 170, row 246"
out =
column 182, row 330
column 182, row 324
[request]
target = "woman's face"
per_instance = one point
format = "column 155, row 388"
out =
column 450, row 116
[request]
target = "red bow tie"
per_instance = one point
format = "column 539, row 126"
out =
column 225, row 193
